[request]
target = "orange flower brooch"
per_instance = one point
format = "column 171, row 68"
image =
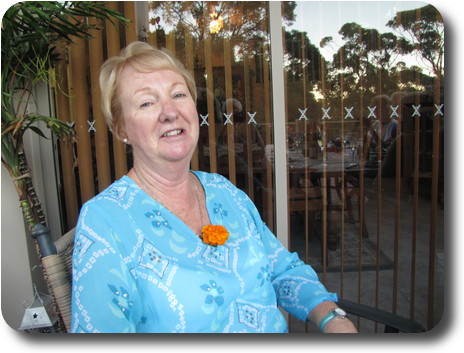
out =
column 214, row 235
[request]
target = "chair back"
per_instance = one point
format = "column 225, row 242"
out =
column 56, row 258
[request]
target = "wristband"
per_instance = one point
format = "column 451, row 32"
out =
column 330, row 316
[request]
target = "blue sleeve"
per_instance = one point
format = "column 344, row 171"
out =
column 296, row 284
column 104, row 292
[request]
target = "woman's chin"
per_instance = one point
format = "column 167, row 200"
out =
column 177, row 154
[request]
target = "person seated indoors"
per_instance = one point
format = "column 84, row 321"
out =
column 166, row 249
column 385, row 125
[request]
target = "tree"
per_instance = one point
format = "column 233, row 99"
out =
column 32, row 32
column 299, row 53
column 365, row 56
column 422, row 32
column 241, row 21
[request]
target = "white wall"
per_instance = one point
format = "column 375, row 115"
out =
column 19, row 258
column 16, row 283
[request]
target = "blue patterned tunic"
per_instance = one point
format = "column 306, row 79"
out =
column 138, row 268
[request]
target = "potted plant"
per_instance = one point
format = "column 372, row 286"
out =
column 32, row 33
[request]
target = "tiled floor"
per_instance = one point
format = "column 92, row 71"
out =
column 363, row 286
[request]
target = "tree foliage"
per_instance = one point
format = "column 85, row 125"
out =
column 422, row 33
column 367, row 62
column 31, row 34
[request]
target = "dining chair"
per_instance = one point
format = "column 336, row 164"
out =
column 56, row 260
column 307, row 199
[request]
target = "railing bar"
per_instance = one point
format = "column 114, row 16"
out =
column 362, row 216
column 434, row 206
column 305, row 149
column 171, row 42
column 325, row 183
column 131, row 26
column 62, row 70
column 101, row 130
column 415, row 202
column 397, row 199
column 269, row 137
column 249, row 129
column 80, row 107
column 113, row 47
column 342, row 185
column 190, row 66
column 230, row 110
column 210, row 104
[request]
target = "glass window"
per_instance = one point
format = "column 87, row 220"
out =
column 225, row 45
column 359, row 113
column 365, row 121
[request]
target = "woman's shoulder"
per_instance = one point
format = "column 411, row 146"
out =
column 218, row 182
column 212, row 179
column 219, row 185
column 119, row 191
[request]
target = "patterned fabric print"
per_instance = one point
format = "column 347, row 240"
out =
column 122, row 300
column 153, row 274
column 217, row 256
column 81, row 246
column 152, row 259
column 157, row 219
column 214, row 293
column 248, row 315
column 264, row 275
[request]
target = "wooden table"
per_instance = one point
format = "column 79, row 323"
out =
column 337, row 173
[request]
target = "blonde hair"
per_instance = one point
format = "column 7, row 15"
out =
column 143, row 58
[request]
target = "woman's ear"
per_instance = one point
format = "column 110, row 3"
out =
column 119, row 131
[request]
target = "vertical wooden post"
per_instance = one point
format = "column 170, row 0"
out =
column 101, row 130
column 211, row 110
column 80, row 107
column 190, row 66
column 131, row 27
column 229, row 110
column 66, row 145
column 114, row 48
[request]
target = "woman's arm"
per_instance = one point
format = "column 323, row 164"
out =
column 105, row 297
column 336, row 325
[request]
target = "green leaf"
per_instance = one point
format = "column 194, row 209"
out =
column 38, row 131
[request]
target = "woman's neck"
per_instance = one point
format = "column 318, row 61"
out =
column 161, row 180
column 180, row 194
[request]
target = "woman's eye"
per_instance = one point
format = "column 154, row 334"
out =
column 145, row 105
column 180, row 95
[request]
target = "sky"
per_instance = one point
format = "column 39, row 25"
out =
column 332, row 15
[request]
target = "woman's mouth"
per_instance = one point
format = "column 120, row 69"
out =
column 173, row 133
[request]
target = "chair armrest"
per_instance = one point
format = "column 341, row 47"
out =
column 392, row 322
column 42, row 235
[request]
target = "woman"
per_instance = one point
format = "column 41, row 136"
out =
column 142, row 262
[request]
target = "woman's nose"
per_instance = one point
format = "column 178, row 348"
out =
column 168, row 112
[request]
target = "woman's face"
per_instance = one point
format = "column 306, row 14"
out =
column 160, row 119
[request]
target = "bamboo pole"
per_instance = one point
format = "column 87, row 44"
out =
column 230, row 110
column 66, row 144
column 101, row 130
column 249, row 127
column 131, row 27
column 211, row 110
column 190, row 66
column 80, row 109
column 114, row 48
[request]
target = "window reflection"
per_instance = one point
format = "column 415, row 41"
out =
column 364, row 117
column 228, row 45
column 365, row 122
